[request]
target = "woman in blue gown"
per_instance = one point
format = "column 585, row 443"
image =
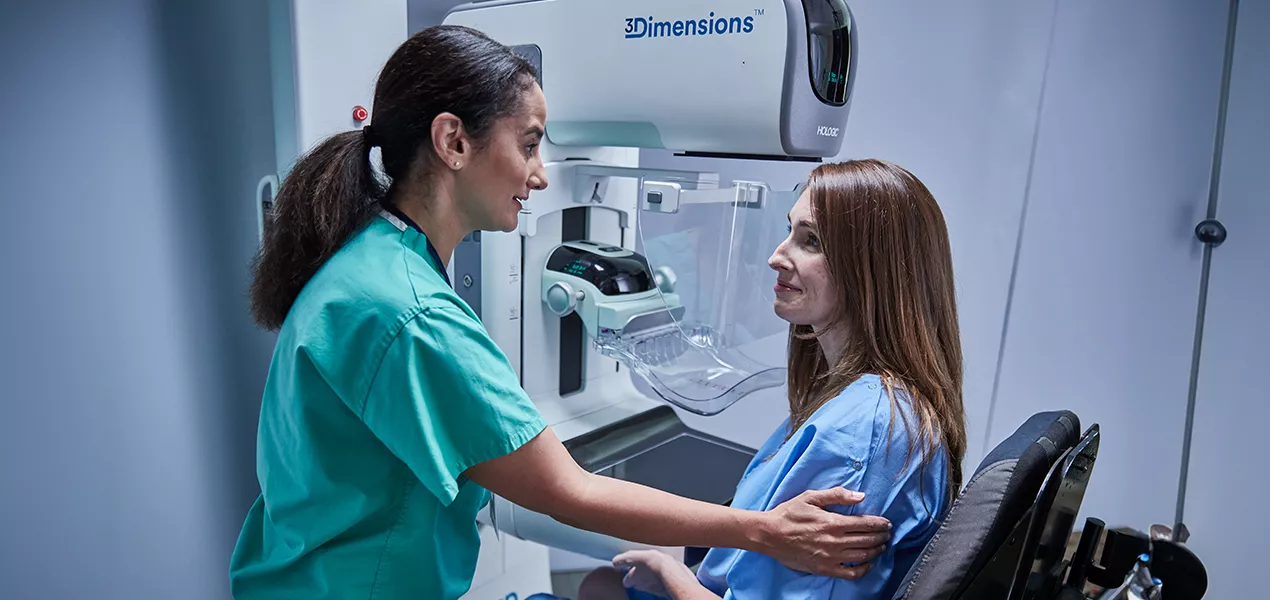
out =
column 865, row 280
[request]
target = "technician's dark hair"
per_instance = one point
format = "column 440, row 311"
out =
column 333, row 191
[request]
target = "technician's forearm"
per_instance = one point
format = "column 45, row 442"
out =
column 648, row 516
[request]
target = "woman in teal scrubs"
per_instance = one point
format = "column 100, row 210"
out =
column 388, row 412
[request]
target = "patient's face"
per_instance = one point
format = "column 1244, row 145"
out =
column 804, row 294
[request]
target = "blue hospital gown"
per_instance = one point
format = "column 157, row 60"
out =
column 842, row 444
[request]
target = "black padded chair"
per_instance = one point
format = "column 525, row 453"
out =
column 1006, row 535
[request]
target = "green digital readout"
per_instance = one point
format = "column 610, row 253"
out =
column 576, row 267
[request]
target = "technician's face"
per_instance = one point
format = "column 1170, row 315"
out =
column 503, row 173
column 804, row 294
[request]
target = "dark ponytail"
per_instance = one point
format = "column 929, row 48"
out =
column 333, row 191
column 328, row 195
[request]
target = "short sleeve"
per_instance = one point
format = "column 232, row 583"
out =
column 445, row 398
column 848, row 449
column 896, row 487
column 823, row 459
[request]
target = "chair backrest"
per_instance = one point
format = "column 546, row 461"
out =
column 994, row 503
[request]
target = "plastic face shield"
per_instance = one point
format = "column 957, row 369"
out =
column 717, row 337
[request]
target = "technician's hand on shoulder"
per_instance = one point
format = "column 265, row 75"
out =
column 807, row 537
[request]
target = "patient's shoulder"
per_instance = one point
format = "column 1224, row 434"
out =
column 857, row 409
column 870, row 409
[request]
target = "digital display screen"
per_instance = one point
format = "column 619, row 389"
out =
column 612, row 275
column 828, row 48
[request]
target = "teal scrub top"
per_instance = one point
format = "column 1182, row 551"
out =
column 384, row 388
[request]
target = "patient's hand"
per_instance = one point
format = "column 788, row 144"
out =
column 657, row 573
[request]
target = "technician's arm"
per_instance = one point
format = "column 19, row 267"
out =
column 541, row 476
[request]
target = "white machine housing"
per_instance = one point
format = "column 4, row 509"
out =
column 567, row 288
column 763, row 78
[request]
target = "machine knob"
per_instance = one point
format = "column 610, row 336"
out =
column 561, row 298
column 665, row 279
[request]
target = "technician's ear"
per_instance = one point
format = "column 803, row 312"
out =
column 450, row 141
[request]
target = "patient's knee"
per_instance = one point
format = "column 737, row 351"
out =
column 604, row 583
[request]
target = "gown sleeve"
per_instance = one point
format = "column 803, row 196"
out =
column 851, row 451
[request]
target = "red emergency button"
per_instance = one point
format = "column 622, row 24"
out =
column 360, row 114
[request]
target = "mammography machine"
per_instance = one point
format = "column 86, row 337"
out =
column 625, row 290
column 626, row 294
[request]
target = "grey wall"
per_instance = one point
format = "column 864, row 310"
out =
column 1104, row 304
column 130, row 373
column 1228, row 477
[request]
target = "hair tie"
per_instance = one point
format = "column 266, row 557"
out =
column 368, row 136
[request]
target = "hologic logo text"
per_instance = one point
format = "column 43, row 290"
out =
column 827, row 131
column 641, row 27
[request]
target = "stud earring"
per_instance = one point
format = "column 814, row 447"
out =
column 456, row 164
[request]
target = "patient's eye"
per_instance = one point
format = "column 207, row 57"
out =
column 807, row 239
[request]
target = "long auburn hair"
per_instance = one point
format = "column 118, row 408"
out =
column 888, row 255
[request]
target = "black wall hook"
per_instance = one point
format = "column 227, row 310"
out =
column 1210, row 232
